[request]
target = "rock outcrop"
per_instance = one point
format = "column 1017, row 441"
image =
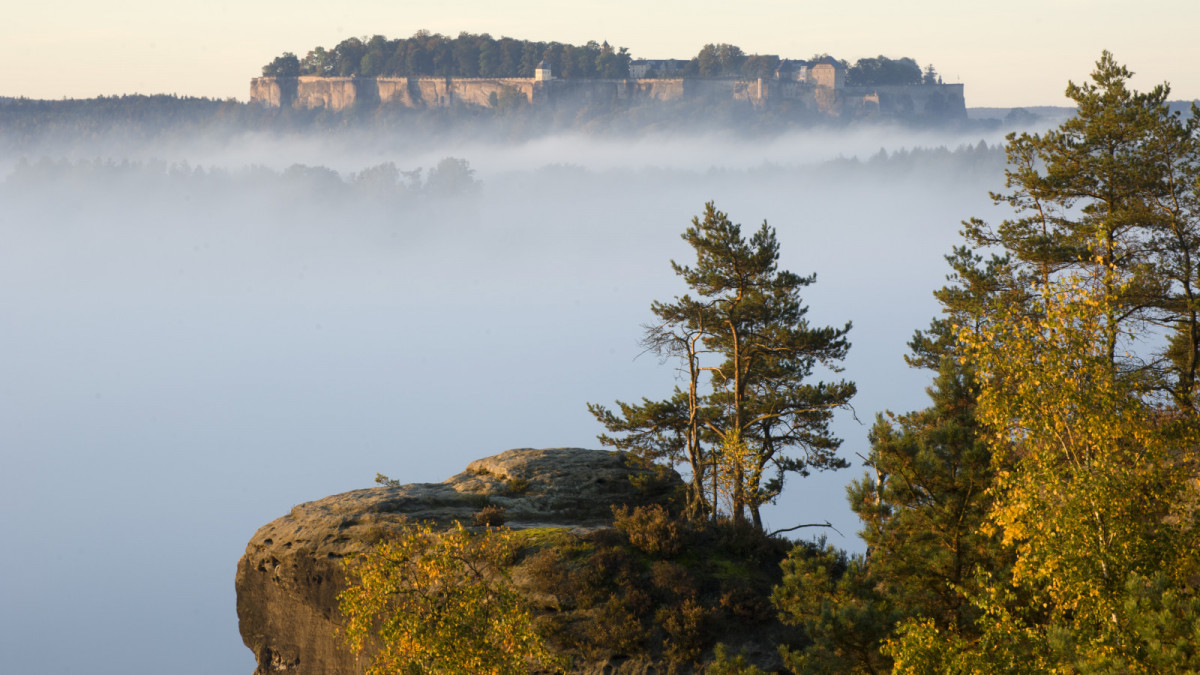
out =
column 924, row 102
column 290, row 576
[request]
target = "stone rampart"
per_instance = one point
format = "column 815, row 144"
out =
column 930, row 101
column 660, row 90
column 944, row 101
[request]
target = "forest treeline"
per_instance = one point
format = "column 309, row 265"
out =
column 382, row 184
column 1042, row 514
column 428, row 54
column 451, row 176
column 26, row 124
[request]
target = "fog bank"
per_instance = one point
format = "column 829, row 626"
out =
column 199, row 335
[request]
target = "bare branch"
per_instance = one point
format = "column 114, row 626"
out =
column 797, row 527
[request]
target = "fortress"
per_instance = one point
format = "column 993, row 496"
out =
column 819, row 89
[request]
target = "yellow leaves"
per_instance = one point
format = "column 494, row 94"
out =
column 1085, row 477
column 1092, row 468
column 428, row 601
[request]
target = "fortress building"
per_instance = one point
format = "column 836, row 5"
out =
column 815, row 87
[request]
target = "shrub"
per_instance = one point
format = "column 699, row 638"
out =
column 672, row 581
column 439, row 602
column 607, row 569
column 651, row 529
column 617, row 629
column 724, row 664
column 490, row 516
column 547, row 569
column 385, row 481
column 686, row 628
column 742, row 603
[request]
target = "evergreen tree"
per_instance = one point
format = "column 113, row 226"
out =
column 1093, row 487
column 745, row 335
column 1113, row 191
column 1093, row 502
column 845, row 618
column 1041, row 515
column 924, row 509
column 974, row 284
column 923, row 512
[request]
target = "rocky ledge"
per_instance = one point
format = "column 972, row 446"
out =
column 290, row 576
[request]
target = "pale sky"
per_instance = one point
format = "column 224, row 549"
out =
column 1009, row 53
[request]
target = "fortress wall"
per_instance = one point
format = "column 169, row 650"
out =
column 429, row 92
column 830, row 101
column 338, row 93
column 270, row 91
column 658, row 90
column 394, row 90
column 478, row 91
column 926, row 100
column 414, row 92
column 790, row 90
column 333, row 93
column 744, row 90
column 588, row 92
column 702, row 88
column 945, row 101
column 756, row 91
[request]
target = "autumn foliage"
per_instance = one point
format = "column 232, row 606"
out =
column 438, row 602
column 1087, row 374
column 1042, row 515
column 1091, row 496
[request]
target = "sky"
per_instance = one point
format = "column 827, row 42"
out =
column 1013, row 53
column 184, row 362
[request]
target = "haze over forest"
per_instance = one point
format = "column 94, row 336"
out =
column 215, row 312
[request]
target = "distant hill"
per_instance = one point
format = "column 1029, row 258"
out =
column 1053, row 114
column 1002, row 113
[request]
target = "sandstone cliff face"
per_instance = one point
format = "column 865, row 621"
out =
column 289, row 578
column 938, row 102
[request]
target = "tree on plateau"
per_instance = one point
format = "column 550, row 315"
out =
column 749, row 414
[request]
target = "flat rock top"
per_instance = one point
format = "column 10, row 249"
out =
column 555, row 486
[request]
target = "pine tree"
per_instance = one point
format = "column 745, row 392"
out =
column 832, row 597
column 1091, row 499
column 1113, row 191
column 923, row 511
column 745, row 336
column 1041, row 515
column 1093, row 481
